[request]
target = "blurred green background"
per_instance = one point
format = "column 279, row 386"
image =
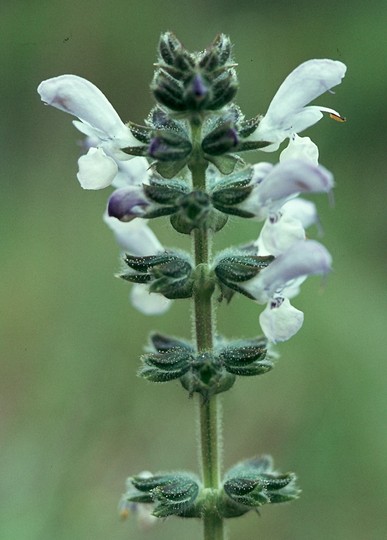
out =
column 75, row 420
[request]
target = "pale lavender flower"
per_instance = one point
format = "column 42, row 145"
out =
column 283, row 182
column 281, row 280
column 288, row 112
column 98, row 121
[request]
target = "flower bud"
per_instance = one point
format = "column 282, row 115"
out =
column 169, row 146
column 221, row 140
column 127, row 203
column 168, row 273
column 253, row 483
column 172, row 494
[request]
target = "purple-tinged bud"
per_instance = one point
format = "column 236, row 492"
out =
column 169, row 146
column 221, row 140
column 199, row 89
column 127, row 203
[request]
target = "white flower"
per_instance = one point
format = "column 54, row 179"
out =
column 287, row 113
column 148, row 303
column 280, row 320
column 281, row 280
column 138, row 239
column 303, row 258
column 98, row 121
column 283, row 182
column 134, row 236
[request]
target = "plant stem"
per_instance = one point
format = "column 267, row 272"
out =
column 209, row 413
column 204, row 328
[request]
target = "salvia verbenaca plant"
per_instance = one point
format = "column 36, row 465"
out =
column 185, row 162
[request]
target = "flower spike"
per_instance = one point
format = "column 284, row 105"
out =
column 184, row 164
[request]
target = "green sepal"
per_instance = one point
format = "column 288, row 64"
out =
column 168, row 146
column 165, row 194
column 168, row 273
column 207, row 377
column 173, row 279
column 192, row 213
column 142, row 133
column 168, row 91
column 195, row 211
column 158, row 211
column 231, row 195
column 253, row 483
column 221, row 140
column 234, row 269
column 247, row 127
column 232, row 190
column 163, row 343
column 135, row 278
column 169, row 169
column 217, row 54
column 164, row 367
column 168, row 45
column 224, row 89
column 225, row 164
column 237, row 179
column 173, row 288
column 141, row 499
column 234, row 211
column 246, row 357
column 246, row 146
column 172, row 494
column 169, row 360
column 163, row 191
column 136, row 150
column 143, row 264
column 160, row 120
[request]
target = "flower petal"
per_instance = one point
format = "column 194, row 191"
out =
column 285, row 180
column 77, row 96
column 308, row 81
column 303, row 258
column 300, row 148
column 134, row 236
column 260, row 171
column 301, row 209
column 96, row 169
column 286, row 113
column 280, row 320
column 132, row 173
column 148, row 303
column 278, row 235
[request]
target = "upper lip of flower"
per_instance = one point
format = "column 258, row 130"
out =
column 81, row 98
column 287, row 112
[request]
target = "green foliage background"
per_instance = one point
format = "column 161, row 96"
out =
column 75, row 420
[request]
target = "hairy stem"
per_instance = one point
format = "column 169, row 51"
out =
column 204, row 329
